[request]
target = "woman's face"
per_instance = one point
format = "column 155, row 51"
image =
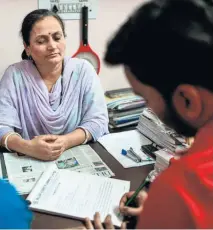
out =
column 47, row 42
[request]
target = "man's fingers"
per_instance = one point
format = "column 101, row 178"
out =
column 97, row 221
column 129, row 194
column 124, row 198
column 142, row 196
column 128, row 211
column 122, row 201
column 80, row 227
column 123, row 225
column 88, row 223
column 108, row 222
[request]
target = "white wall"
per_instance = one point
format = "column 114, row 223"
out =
column 111, row 13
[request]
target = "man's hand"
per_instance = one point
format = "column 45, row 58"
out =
column 129, row 211
column 46, row 147
column 98, row 224
column 126, row 211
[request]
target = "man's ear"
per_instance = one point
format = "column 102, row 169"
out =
column 187, row 102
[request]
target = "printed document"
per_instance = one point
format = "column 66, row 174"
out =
column 77, row 195
column 115, row 142
column 24, row 171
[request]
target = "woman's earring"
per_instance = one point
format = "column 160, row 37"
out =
column 30, row 57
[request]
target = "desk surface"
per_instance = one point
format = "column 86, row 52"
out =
column 135, row 175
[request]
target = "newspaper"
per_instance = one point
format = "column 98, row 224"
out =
column 24, row 171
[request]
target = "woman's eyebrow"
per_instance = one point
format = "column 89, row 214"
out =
column 46, row 35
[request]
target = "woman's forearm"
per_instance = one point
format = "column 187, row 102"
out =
column 77, row 137
column 17, row 144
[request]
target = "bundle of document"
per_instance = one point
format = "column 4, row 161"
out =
column 154, row 129
column 124, row 111
column 77, row 195
column 163, row 159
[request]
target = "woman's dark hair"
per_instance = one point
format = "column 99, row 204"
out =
column 30, row 20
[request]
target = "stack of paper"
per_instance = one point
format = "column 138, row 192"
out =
column 125, row 110
column 153, row 128
column 78, row 195
column 163, row 157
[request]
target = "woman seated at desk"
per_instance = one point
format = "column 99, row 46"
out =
column 48, row 102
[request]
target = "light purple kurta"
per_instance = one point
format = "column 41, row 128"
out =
column 28, row 108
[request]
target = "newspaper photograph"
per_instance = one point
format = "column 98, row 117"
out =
column 23, row 171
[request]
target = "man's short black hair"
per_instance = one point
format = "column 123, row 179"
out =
column 166, row 43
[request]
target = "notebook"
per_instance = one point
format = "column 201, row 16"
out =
column 119, row 92
column 77, row 195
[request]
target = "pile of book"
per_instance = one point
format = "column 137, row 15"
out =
column 163, row 158
column 160, row 134
column 124, row 109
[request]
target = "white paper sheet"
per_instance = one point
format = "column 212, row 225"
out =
column 115, row 142
column 77, row 195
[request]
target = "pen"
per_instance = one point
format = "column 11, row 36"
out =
column 131, row 200
column 129, row 155
column 142, row 185
column 150, row 178
column 131, row 151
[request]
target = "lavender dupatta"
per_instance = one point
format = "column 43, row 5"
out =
column 27, row 106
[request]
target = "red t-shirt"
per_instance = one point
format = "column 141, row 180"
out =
column 182, row 196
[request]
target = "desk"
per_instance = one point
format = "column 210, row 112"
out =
column 135, row 175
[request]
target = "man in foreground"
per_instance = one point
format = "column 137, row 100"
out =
column 166, row 48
